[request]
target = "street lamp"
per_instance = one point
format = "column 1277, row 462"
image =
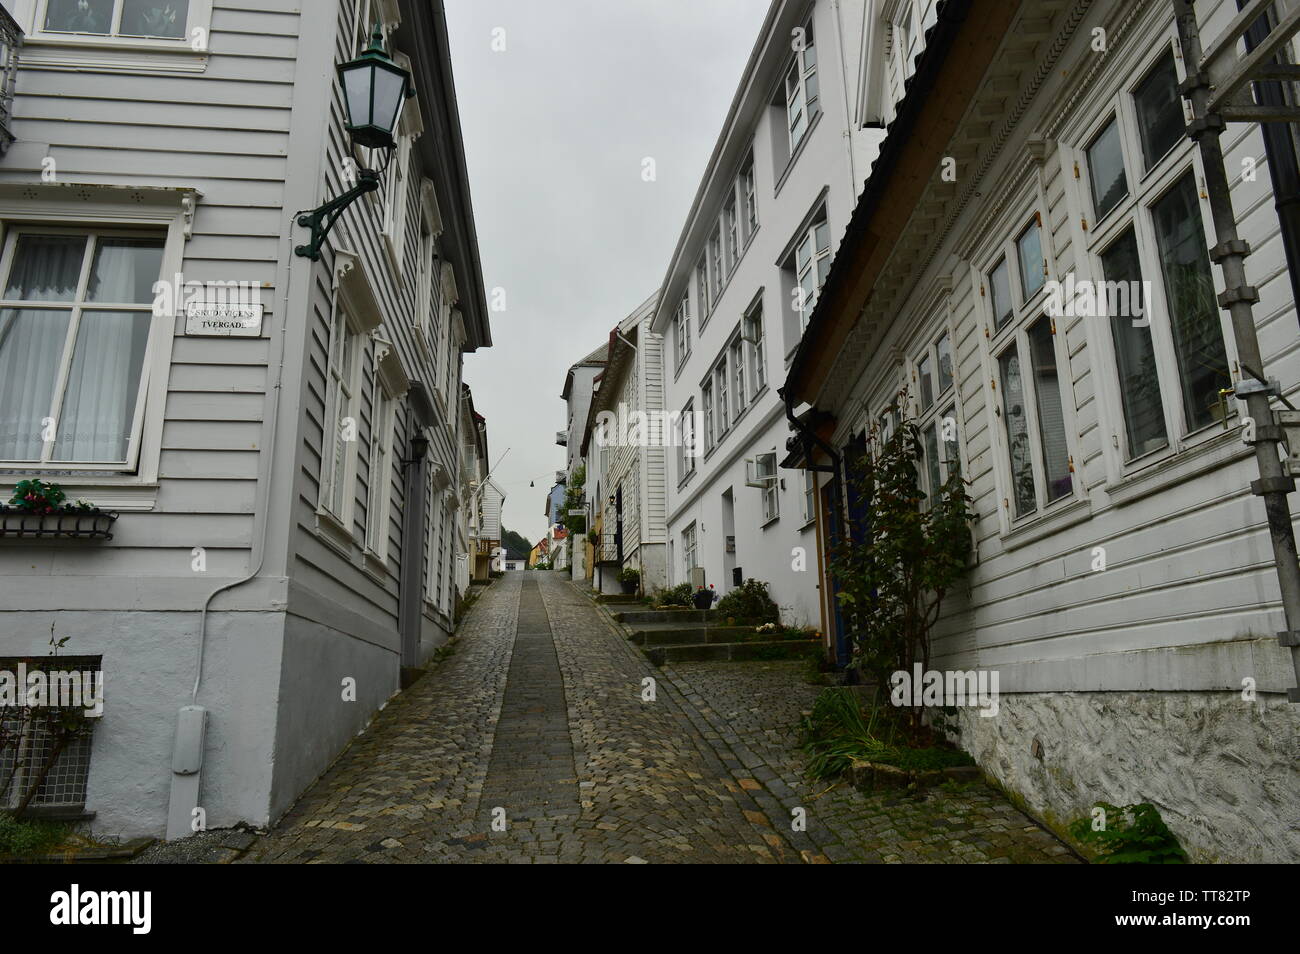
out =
column 374, row 89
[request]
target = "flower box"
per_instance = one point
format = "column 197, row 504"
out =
column 92, row 524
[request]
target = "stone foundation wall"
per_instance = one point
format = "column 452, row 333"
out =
column 1224, row 773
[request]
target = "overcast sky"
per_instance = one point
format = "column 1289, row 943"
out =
column 556, row 126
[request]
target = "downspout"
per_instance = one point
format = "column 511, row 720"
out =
column 844, row 89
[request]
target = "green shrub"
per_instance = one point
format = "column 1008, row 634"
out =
column 749, row 602
column 679, row 595
column 26, row 838
column 629, row 574
column 1132, row 835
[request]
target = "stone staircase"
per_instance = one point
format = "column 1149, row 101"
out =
column 690, row 635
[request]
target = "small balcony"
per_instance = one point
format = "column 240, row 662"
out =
column 11, row 40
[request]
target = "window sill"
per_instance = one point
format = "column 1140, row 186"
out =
column 794, row 156
column 1052, row 521
column 330, row 529
column 105, row 493
column 767, row 523
column 681, row 484
column 113, row 55
column 808, row 524
column 1205, row 455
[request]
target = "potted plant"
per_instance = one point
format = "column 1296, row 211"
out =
column 704, row 598
column 630, row 577
column 40, row 509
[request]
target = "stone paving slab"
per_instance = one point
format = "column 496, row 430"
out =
column 593, row 755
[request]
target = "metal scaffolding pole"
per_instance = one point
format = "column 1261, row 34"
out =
column 1217, row 86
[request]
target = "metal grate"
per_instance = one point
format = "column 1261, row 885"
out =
column 65, row 785
column 11, row 38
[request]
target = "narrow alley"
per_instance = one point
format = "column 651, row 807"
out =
column 531, row 743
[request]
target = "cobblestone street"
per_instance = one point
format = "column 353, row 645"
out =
column 536, row 724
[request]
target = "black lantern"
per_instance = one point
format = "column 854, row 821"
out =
column 374, row 88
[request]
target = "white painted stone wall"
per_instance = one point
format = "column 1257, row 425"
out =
column 1223, row 772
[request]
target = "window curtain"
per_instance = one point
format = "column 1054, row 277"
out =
column 31, row 348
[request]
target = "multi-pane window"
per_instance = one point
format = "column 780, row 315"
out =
column 812, row 262
column 686, row 450
column 706, row 402
column 682, row 330
column 379, row 473
column 809, row 496
column 1032, row 392
column 934, row 378
column 802, row 104
column 702, row 295
column 134, row 18
column 337, row 463
column 716, row 277
column 762, row 474
column 720, row 389
column 753, row 332
column 690, row 558
column 74, row 335
column 1167, row 334
column 749, row 195
column 739, row 394
column 731, row 232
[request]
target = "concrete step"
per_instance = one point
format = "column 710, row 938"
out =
column 663, row 615
column 619, row 598
column 649, row 634
column 731, row 652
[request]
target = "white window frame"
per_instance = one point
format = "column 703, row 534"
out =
column 75, row 307
column 682, row 331
column 749, row 198
column 1146, row 187
column 167, row 211
column 354, row 313
column 806, row 302
column 690, row 549
column 795, row 84
column 809, row 499
column 702, row 295
column 761, row 472
column 686, row 438
column 1013, row 335
column 114, row 52
column 740, row 393
column 720, row 387
column 752, row 332
column 706, row 402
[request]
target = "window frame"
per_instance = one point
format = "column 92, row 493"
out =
column 167, row 212
column 798, row 66
column 114, row 53
column 1146, row 188
column 75, row 308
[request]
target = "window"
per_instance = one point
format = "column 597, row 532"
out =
column 379, row 473
column 720, row 389
column 686, row 450
column 74, row 334
column 1167, row 335
column 1000, row 294
column 731, row 226
column 925, row 380
column 761, row 473
column 750, row 196
column 943, row 364
column 1029, row 252
column 758, row 361
column 1106, row 177
column 802, row 105
column 715, row 264
column 738, row 379
column 702, row 289
column 396, row 198
column 32, row 735
column 682, row 330
column 706, row 399
column 1189, row 293
column 428, row 302
column 809, row 496
column 690, row 558
column 338, row 461
column 1031, row 486
column 1160, row 119
column 133, row 18
column 812, row 262
column 1139, row 384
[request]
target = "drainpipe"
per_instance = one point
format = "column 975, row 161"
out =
column 844, row 89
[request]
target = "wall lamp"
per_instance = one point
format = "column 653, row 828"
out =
column 374, row 89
